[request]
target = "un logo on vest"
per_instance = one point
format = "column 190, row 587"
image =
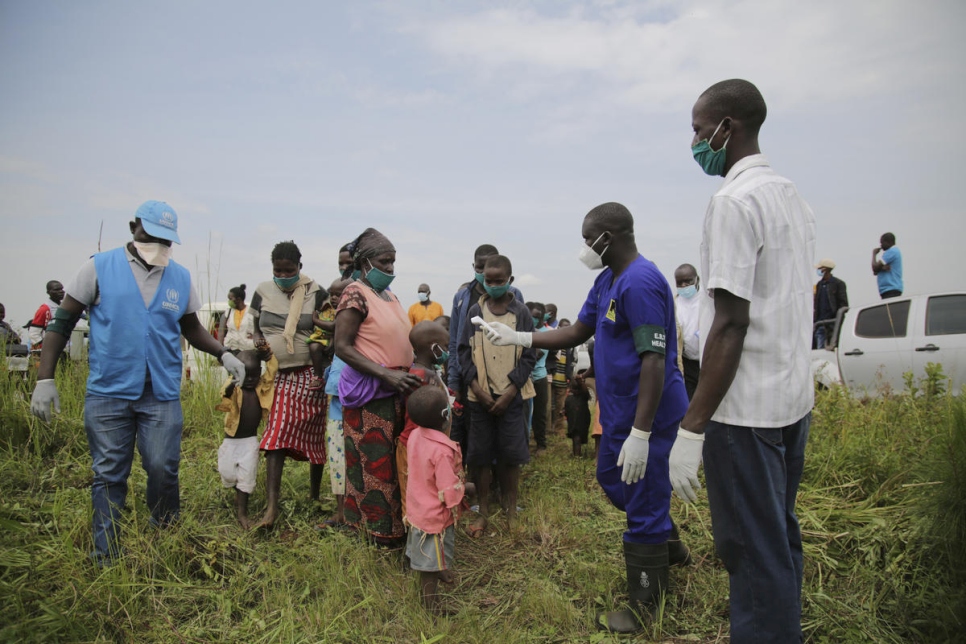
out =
column 172, row 295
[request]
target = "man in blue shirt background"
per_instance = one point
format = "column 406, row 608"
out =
column 888, row 270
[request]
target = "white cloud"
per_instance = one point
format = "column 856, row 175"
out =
column 654, row 58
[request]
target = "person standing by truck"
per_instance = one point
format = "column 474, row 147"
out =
column 888, row 268
column 830, row 297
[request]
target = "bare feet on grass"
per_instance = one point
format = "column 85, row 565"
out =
column 477, row 528
column 447, row 576
column 267, row 522
column 241, row 509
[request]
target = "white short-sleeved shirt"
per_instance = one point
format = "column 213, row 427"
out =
column 688, row 312
column 758, row 243
column 83, row 287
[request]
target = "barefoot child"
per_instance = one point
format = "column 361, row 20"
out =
column 434, row 493
column 334, row 439
column 499, row 378
column 577, row 410
column 245, row 405
column 429, row 340
column 320, row 342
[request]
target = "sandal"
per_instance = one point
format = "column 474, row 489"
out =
column 316, row 384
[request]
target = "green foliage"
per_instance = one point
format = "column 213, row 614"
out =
column 881, row 507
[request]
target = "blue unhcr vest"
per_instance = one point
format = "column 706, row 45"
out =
column 126, row 337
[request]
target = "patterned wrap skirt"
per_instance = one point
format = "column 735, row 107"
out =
column 373, row 501
column 296, row 424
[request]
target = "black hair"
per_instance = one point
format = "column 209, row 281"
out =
column 484, row 250
column 889, row 237
column 238, row 291
column 739, row 99
column 425, row 407
column 344, row 249
column 51, row 283
column 499, row 261
column 613, row 216
column 287, row 250
column 537, row 305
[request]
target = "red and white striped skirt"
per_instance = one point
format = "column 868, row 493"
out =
column 296, row 423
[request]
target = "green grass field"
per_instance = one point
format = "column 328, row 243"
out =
column 882, row 508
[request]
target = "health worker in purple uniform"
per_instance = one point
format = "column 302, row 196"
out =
column 630, row 313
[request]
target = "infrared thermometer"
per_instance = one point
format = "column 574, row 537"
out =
column 478, row 321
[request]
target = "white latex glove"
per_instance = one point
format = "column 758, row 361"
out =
column 501, row 335
column 684, row 462
column 233, row 365
column 633, row 456
column 45, row 395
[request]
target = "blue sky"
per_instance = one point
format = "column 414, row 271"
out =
column 450, row 124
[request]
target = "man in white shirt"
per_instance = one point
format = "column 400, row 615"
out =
column 687, row 304
column 752, row 408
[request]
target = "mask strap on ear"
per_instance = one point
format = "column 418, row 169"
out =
column 723, row 145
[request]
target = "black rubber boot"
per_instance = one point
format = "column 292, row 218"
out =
column 678, row 554
column 647, row 578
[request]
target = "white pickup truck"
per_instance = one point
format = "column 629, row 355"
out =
column 872, row 346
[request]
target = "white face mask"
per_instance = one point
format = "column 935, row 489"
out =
column 153, row 253
column 423, row 297
column 590, row 258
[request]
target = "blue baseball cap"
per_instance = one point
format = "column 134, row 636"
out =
column 159, row 220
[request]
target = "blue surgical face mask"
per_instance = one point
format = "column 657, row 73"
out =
column 536, row 322
column 688, row 291
column 287, row 283
column 378, row 280
column 711, row 161
column 356, row 274
column 497, row 292
column 443, row 354
column 820, row 272
column 479, row 278
column 423, row 297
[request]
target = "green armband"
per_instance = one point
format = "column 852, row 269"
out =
column 649, row 337
column 62, row 322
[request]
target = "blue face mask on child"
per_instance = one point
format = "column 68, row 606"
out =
column 443, row 356
column 496, row 292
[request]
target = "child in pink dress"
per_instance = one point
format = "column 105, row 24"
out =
column 434, row 492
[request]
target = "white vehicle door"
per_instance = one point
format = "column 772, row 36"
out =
column 876, row 349
column 943, row 339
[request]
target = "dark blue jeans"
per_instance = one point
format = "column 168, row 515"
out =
column 753, row 476
column 113, row 427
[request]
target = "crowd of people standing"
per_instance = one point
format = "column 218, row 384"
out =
column 466, row 385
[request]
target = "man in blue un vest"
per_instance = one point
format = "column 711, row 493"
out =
column 140, row 303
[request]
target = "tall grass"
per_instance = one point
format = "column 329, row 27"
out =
column 881, row 506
